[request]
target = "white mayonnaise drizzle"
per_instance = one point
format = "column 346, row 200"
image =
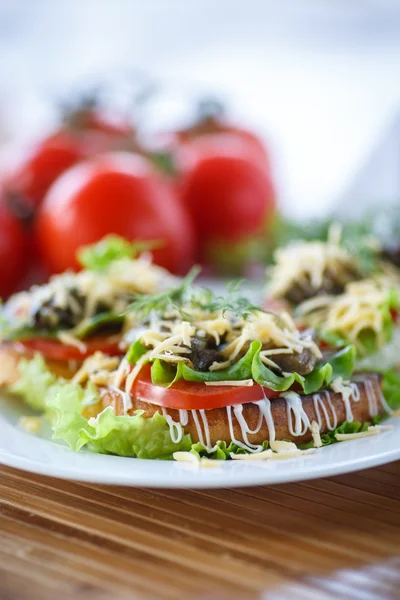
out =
column 381, row 397
column 232, row 434
column 298, row 421
column 183, row 417
column 126, row 398
column 373, row 407
column 294, row 406
column 265, row 409
column 206, row 428
column 175, row 427
column 319, row 405
column 356, row 394
column 347, row 407
column 245, row 429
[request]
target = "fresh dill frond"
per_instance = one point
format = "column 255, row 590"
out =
column 188, row 296
column 171, row 299
column 232, row 302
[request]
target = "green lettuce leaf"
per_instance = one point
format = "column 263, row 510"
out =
column 367, row 340
column 135, row 352
column 27, row 332
column 165, row 374
column 222, row 451
column 105, row 320
column 132, row 436
column 87, row 327
column 34, row 382
column 238, row 371
column 346, row 427
column 340, row 364
column 98, row 257
column 391, row 389
column 250, row 366
column 332, row 338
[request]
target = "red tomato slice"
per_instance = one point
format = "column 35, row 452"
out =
column 188, row 395
column 54, row 350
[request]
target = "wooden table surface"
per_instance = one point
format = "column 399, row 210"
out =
column 328, row 538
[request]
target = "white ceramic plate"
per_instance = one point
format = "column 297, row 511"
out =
column 40, row 455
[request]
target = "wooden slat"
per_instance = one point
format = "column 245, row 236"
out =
column 329, row 538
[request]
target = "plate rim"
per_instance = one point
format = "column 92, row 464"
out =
column 248, row 474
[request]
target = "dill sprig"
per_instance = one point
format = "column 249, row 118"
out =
column 171, row 299
column 232, row 302
column 186, row 296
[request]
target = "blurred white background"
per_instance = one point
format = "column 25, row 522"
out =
column 320, row 79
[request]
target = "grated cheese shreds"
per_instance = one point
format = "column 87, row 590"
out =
column 339, row 386
column 70, row 340
column 356, row 310
column 316, row 434
column 169, row 337
column 282, row 446
column 303, row 263
column 372, row 430
column 30, row 424
column 96, row 368
column 187, row 457
column 123, row 279
column 255, row 456
column 291, row 452
column 238, row 383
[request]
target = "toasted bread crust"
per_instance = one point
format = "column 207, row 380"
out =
column 218, row 418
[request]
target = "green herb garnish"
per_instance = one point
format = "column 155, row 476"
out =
column 172, row 299
column 187, row 295
column 99, row 256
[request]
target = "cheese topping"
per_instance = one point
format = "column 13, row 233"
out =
column 372, row 430
column 187, row 457
column 283, row 452
column 170, row 338
column 358, row 309
column 256, row 456
column 316, row 435
column 97, row 368
column 70, row 340
column 30, row 424
column 306, row 264
column 112, row 289
column 282, row 446
column 240, row 383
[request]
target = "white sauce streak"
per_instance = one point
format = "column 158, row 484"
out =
column 298, row 421
column 125, row 396
column 175, row 427
column 319, row 405
column 294, row 406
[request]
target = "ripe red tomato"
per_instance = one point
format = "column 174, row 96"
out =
column 188, row 395
column 220, row 144
column 55, row 350
column 211, row 123
column 13, row 251
column 94, row 132
column 29, row 181
column 115, row 193
column 228, row 139
column 229, row 197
